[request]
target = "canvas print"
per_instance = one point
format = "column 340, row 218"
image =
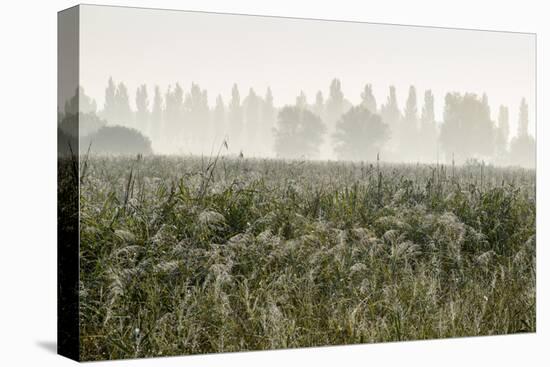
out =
column 234, row 183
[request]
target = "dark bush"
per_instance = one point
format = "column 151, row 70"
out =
column 117, row 140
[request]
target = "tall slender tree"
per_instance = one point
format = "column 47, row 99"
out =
column 268, row 113
column 109, row 108
column 319, row 106
column 409, row 136
column 123, row 112
column 142, row 109
column 368, row 100
column 219, row 115
column 428, row 112
column 502, row 135
column 301, row 100
column 197, row 117
column 173, row 113
column 252, row 105
column 391, row 115
column 428, row 129
column 523, row 146
column 235, row 118
column 523, row 121
column 335, row 103
column 156, row 121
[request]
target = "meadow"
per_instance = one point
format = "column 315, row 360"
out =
column 185, row 255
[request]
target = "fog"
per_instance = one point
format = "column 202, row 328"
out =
column 295, row 88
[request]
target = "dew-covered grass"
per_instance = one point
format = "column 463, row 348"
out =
column 184, row 255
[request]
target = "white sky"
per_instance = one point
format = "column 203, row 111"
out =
column 160, row 47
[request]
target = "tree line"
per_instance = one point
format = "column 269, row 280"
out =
column 325, row 128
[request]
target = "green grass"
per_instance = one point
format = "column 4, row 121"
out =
column 190, row 255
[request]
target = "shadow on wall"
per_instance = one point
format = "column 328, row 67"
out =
column 48, row 345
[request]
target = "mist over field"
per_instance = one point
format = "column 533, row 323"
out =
column 305, row 89
column 183, row 123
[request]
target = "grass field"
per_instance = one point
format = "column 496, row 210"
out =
column 195, row 255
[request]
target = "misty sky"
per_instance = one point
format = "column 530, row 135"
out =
column 161, row 47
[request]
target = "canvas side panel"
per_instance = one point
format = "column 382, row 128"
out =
column 67, row 183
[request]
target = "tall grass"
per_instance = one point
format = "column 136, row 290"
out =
column 183, row 256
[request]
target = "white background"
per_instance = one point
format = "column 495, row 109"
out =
column 28, row 182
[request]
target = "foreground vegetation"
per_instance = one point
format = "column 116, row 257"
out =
column 192, row 255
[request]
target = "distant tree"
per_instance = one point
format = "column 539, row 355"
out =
column 335, row 102
column 409, row 134
column 81, row 124
column 196, row 108
column 298, row 134
column 80, row 102
column 410, row 115
column 268, row 112
column 390, row 111
column 235, row 117
column 109, row 108
column 173, row 113
column 301, row 100
column 117, row 140
column 428, row 129
column 368, row 100
column 392, row 116
column 428, row 113
column 79, row 118
column 252, row 105
column 319, row 107
column 123, row 113
column 523, row 147
column 268, row 116
column 219, row 115
column 485, row 103
column 86, row 103
column 360, row 135
column 156, row 115
column 335, row 106
column 467, row 130
column 502, row 134
column 142, row 108
column 523, row 122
